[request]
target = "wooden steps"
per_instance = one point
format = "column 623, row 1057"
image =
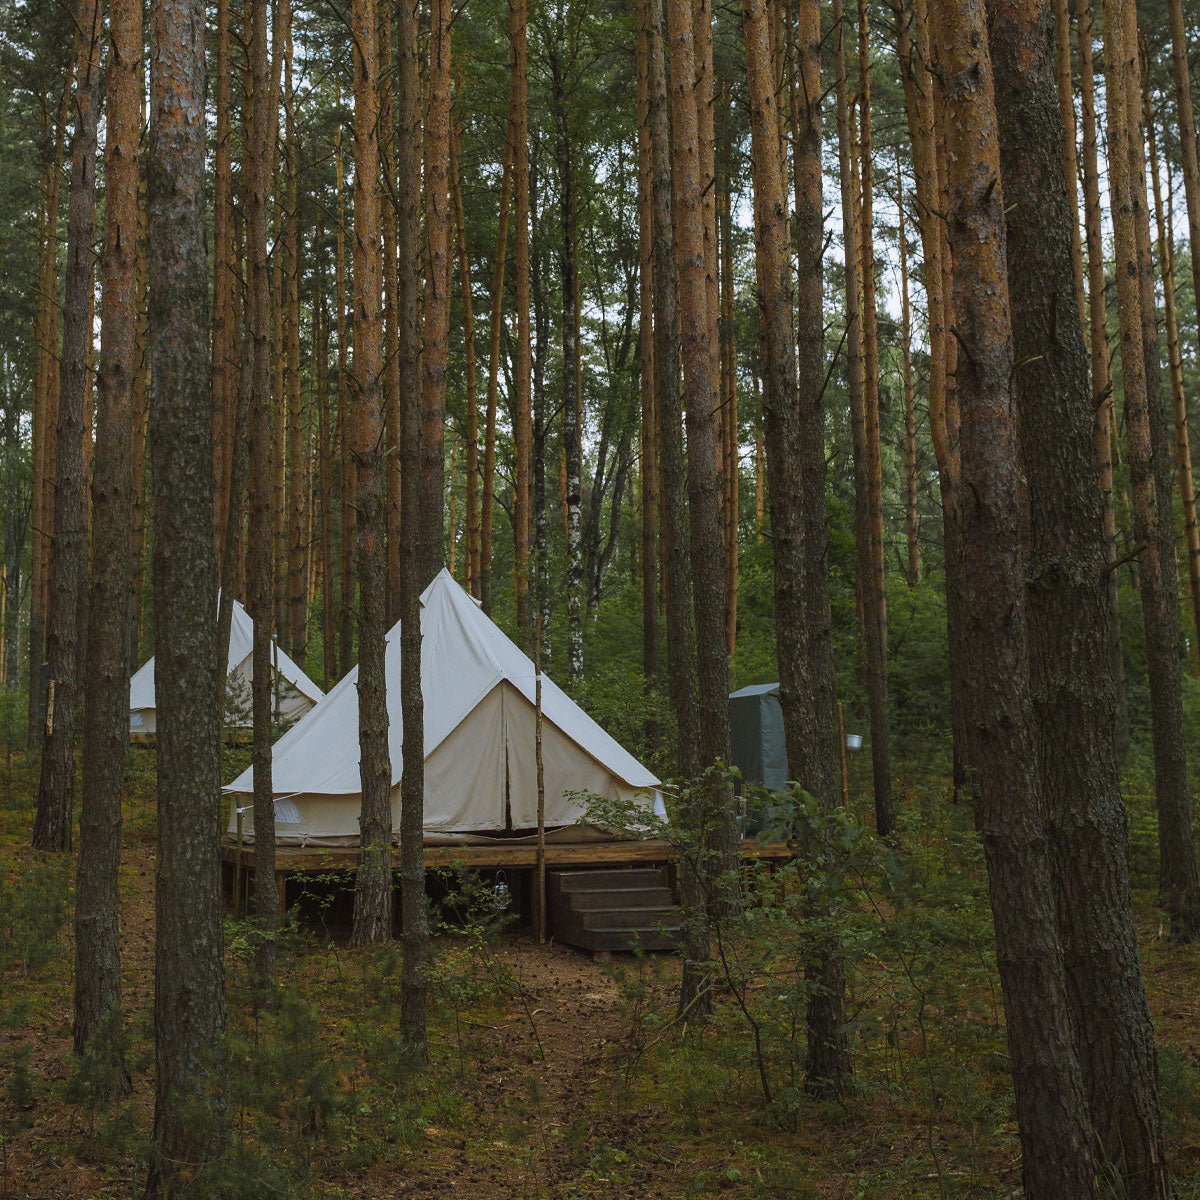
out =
column 619, row 909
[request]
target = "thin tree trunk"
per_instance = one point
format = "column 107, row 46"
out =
column 45, row 420
column 106, row 697
column 296, row 597
column 649, row 439
column 437, row 297
column 413, row 916
column 279, row 395
column 1074, row 694
column 1056, row 1138
column 471, row 541
column 728, row 390
column 570, row 343
column 325, row 475
column 1149, row 459
column 68, row 551
column 863, row 491
column 1070, row 156
column 137, row 454
column 260, row 138
column 484, row 588
column 677, row 576
column 1101, row 373
column 518, row 19
column 906, row 382
column 795, row 438
column 373, row 886
column 190, row 1114
column 874, row 579
column 713, row 816
column 1183, row 452
column 1181, row 73
column 224, row 330
column 347, row 475
column 390, row 217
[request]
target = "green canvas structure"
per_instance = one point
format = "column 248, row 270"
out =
column 756, row 734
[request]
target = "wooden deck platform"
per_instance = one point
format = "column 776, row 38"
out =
column 238, row 866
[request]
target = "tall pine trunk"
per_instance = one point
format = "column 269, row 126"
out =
column 190, row 1112
column 1073, row 691
column 260, row 137
column 68, row 548
column 437, row 297
column 1056, row 1138
column 373, row 885
column 105, row 717
column 1148, row 459
column 795, row 445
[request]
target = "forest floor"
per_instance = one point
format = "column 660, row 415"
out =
column 552, row 1075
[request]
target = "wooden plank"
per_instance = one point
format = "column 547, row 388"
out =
column 492, row 856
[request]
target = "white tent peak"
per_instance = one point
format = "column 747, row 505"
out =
column 241, row 647
column 478, row 690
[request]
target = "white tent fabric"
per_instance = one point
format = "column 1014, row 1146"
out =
column 297, row 693
column 480, row 773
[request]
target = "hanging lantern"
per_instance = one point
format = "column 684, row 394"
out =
column 501, row 896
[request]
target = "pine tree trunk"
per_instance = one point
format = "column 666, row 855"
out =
column 224, row 330
column 347, row 477
column 874, row 579
column 863, row 490
column 471, row 540
column 325, row 477
column 68, row 550
column 728, row 390
column 570, row 351
column 1074, row 694
column 1070, row 156
column 260, row 139
column 677, row 575
column 1101, row 372
column 437, row 298
column 712, row 813
column 137, row 453
column 390, row 218
column 373, row 887
column 45, row 419
column 1056, row 1139
column 795, row 441
column 649, row 439
column 190, row 1115
column 1183, row 452
column 1149, row 458
column 484, row 589
column 911, row 523
column 518, row 19
column 106, row 697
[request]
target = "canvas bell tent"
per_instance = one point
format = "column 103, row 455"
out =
column 480, row 769
column 296, row 693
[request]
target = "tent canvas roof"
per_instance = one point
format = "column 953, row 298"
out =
column 241, row 644
column 464, row 656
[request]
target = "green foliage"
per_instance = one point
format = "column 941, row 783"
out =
column 32, row 911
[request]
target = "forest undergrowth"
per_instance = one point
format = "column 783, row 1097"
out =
column 555, row 1076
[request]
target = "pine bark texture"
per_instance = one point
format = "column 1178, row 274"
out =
column 373, row 885
column 1073, row 691
column 66, row 614
column 437, row 296
column 106, row 697
column 518, row 20
column 190, row 1116
column 794, row 428
column 1149, row 461
column 677, row 576
column 1056, row 1139
column 871, row 563
column 260, row 138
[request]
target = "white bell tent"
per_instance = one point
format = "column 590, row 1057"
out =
column 296, row 692
column 480, row 764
